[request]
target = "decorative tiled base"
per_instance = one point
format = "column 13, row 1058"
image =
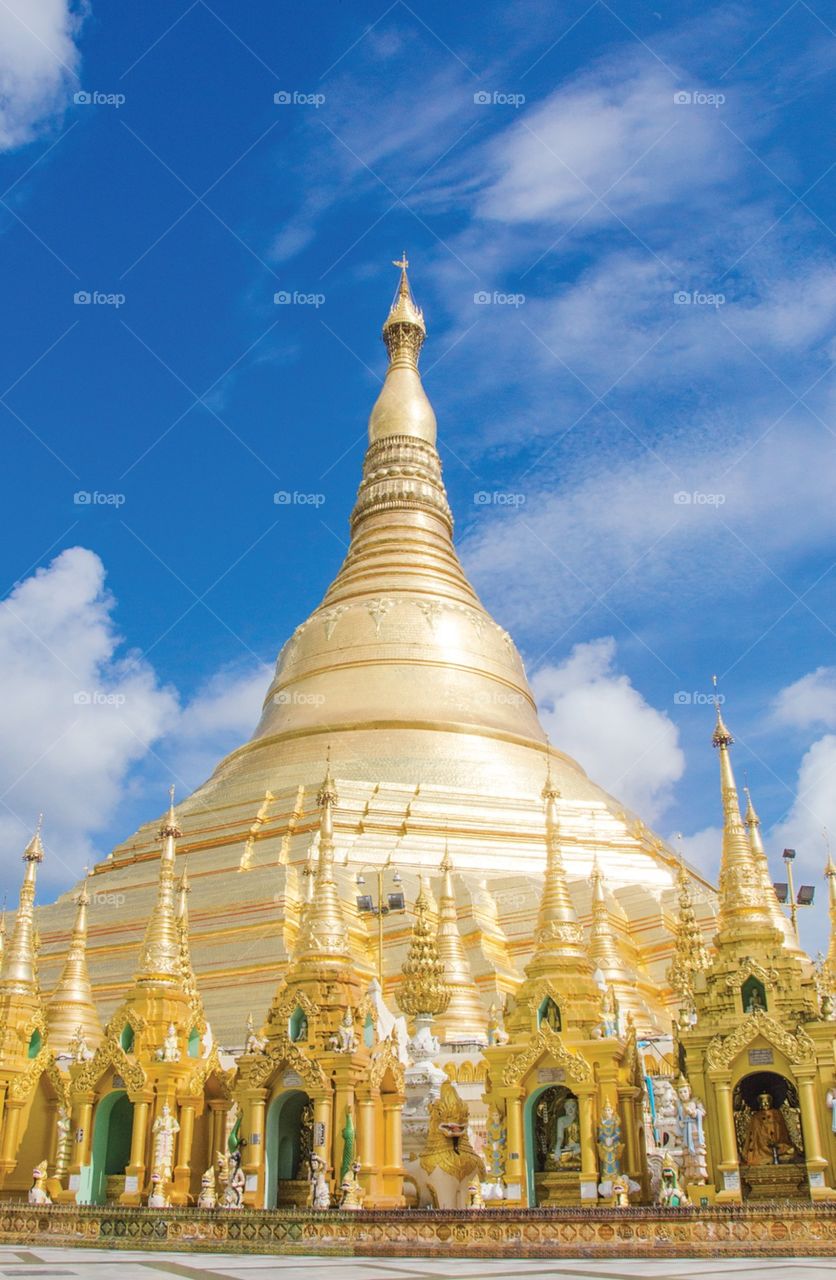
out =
column 779, row 1230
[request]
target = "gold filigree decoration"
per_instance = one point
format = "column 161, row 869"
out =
column 24, row 1084
column 547, row 1043
column 722, row 1050
column 109, row 1054
column 280, row 1053
column 386, row 1059
column 751, row 968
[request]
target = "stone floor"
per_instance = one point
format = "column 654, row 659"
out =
column 102, row 1264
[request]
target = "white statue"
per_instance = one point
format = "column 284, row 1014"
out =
column 667, row 1112
column 207, row 1040
column 158, row 1195
column 78, row 1048
column 208, row 1197
column 236, row 1181
column 692, row 1131
column 496, row 1031
column 164, row 1130
column 567, row 1147
column 253, row 1043
column 37, row 1192
column 422, row 1048
column 320, row 1195
column 346, row 1035
column 64, row 1143
column 830, row 1099
column 170, row 1050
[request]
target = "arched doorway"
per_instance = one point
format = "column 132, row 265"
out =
column 552, row 1146
column 770, row 1141
column 287, row 1146
column 111, row 1148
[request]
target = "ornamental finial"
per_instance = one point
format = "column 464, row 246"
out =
column 404, row 330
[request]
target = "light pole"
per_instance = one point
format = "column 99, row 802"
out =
column 785, row 892
column 367, row 906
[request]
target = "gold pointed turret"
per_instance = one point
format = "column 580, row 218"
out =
column 188, row 979
column 159, row 961
column 744, row 913
column 690, row 956
column 603, row 951
column 19, row 972
column 830, row 961
column 464, row 1017
column 781, row 921
column 71, row 1006
column 424, row 989
column 323, row 936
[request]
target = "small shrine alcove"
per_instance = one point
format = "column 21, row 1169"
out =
column 287, row 1149
column 770, row 1140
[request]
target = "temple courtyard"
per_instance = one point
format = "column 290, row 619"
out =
column 139, row 1265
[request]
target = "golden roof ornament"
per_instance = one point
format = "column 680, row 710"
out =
column 753, row 825
column 558, row 931
column 464, row 1017
column 404, row 329
column 323, row 935
column 743, row 909
column 830, row 959
column 402, row 409
column 71, row 1007
column 424, row 989
column 602, row 945
column 187, row 974
column 159, row 960
column 19, row 971
column 690, row 954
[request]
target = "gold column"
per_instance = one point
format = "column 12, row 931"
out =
column 82, row 1122
column 218, row 1109
column 515, row 1164
column 815, row 1160
column 628, row 1111
column 11, row 1130
column 589, row 1156
column 392, row 1148
column 370, row 1166
column 253, row 1165
column 139, row 1136
column 729, row 1166
column 52, row 1129
column 322, row 1126
column 183, row 1167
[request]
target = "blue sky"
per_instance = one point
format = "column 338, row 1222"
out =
column 620, row 225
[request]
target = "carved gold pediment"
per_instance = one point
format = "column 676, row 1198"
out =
column 109, row 1054
column 280, row 1052
column 547, row 1043
column 386, row 1059
column 722, row 1050
column 43, row 1064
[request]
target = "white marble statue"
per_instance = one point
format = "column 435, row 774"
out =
column 170, row 1049
column 693, row 1164
column 164, row 1130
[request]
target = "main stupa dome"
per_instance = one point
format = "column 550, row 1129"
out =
column 421, row 701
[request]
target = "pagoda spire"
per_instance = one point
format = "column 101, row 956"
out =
column 830, row 961
column 189, row 981
column 19, row 971
column 465, row 1017
column 159, row 960
column 424, row 989
column 603, row 950
column 559, row 937
column 71, row 1006
column 743, row 913
column 323, row 936
column 753, row 826
column 690, row 954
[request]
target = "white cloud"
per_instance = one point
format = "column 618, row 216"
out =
column 615, row 132
column 76, row 713
column 702, row 849
column 597, row 716
column 812, row 814
column 38, row 61
column 82, row 720
column 809, row 702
